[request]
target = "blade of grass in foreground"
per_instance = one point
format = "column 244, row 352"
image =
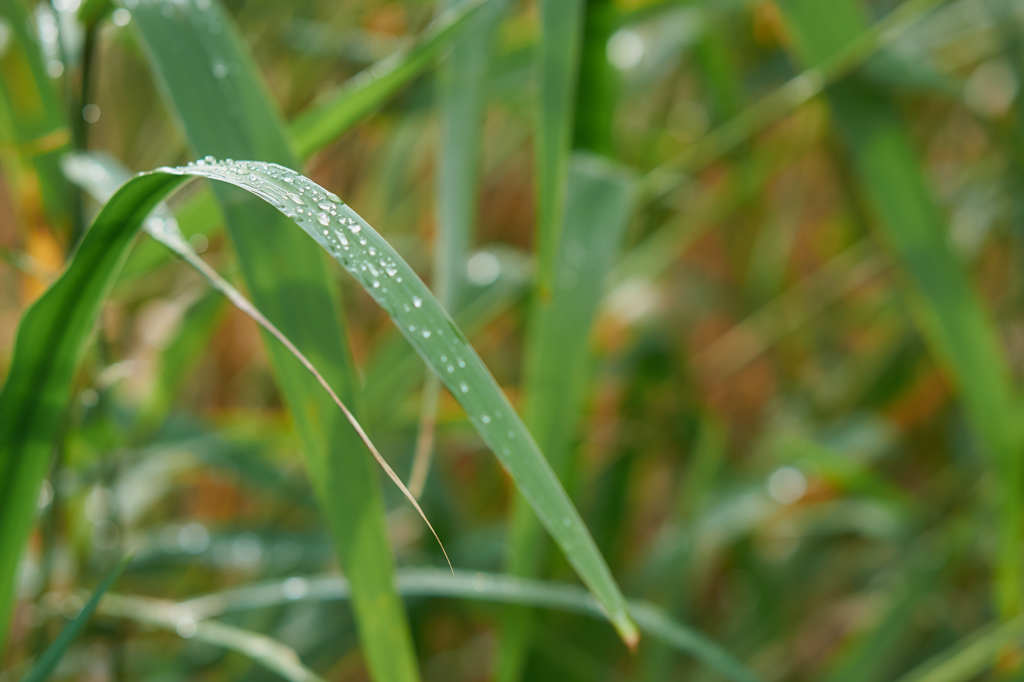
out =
column 504, row 589
column 215, row 90
column 102, row 176
column 953, row 318
column 47, row 663
column 597, row 212
column 52, row 336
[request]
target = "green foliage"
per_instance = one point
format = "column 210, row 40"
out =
column 749, row 271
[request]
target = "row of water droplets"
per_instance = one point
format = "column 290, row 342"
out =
column 362, row 252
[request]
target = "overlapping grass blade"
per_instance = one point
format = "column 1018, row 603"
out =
column 952, row 316
column 50, row 342
column 47, row 350
column 48, row 662
column 102, row 177
column 225, row 110
column 597, row 212
column 476, row 586
column 337, row 111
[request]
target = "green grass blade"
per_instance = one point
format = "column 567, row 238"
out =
column 225, row 110
column 953, row 318
column 394, row 369
column 51, row 339
column 43, row 337
column 557, row 64
column 339, row 110
column 477, row 586
column 462, row 97
column 48, row 662
column 971, row 656
column 597, row 212
column 102, row 176
column 269, row 653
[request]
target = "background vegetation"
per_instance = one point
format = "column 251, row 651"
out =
column 748, row 270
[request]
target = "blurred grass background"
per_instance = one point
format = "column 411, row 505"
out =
column 791, row 420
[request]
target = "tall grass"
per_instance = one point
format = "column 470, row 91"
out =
column 730, row 291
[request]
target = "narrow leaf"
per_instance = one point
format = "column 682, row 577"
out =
column 478, row 586
column 363, row 94
column 48, row 662
column 368, row 257
column 225, row 109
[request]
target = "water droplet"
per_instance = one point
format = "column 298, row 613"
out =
column 220, row 69
column 460, row 362
column 355, row 227
column 295, row 588
column 464, row 387
column 485, row 419
column 417, row 301
column 426, row 333
column 186, row 627
column 323, row 219
column 91, row 113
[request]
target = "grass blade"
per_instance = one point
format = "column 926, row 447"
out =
column 970, row 656
column 597, row 213
column 50, row 342
column 477, row 586
column 337, row 111
column 225, row 110
column 953, row 318
column 269, row 653
column 99, row 175
column 557, row 64
column 48, row 662
column 462, row 94
column 50, row 339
